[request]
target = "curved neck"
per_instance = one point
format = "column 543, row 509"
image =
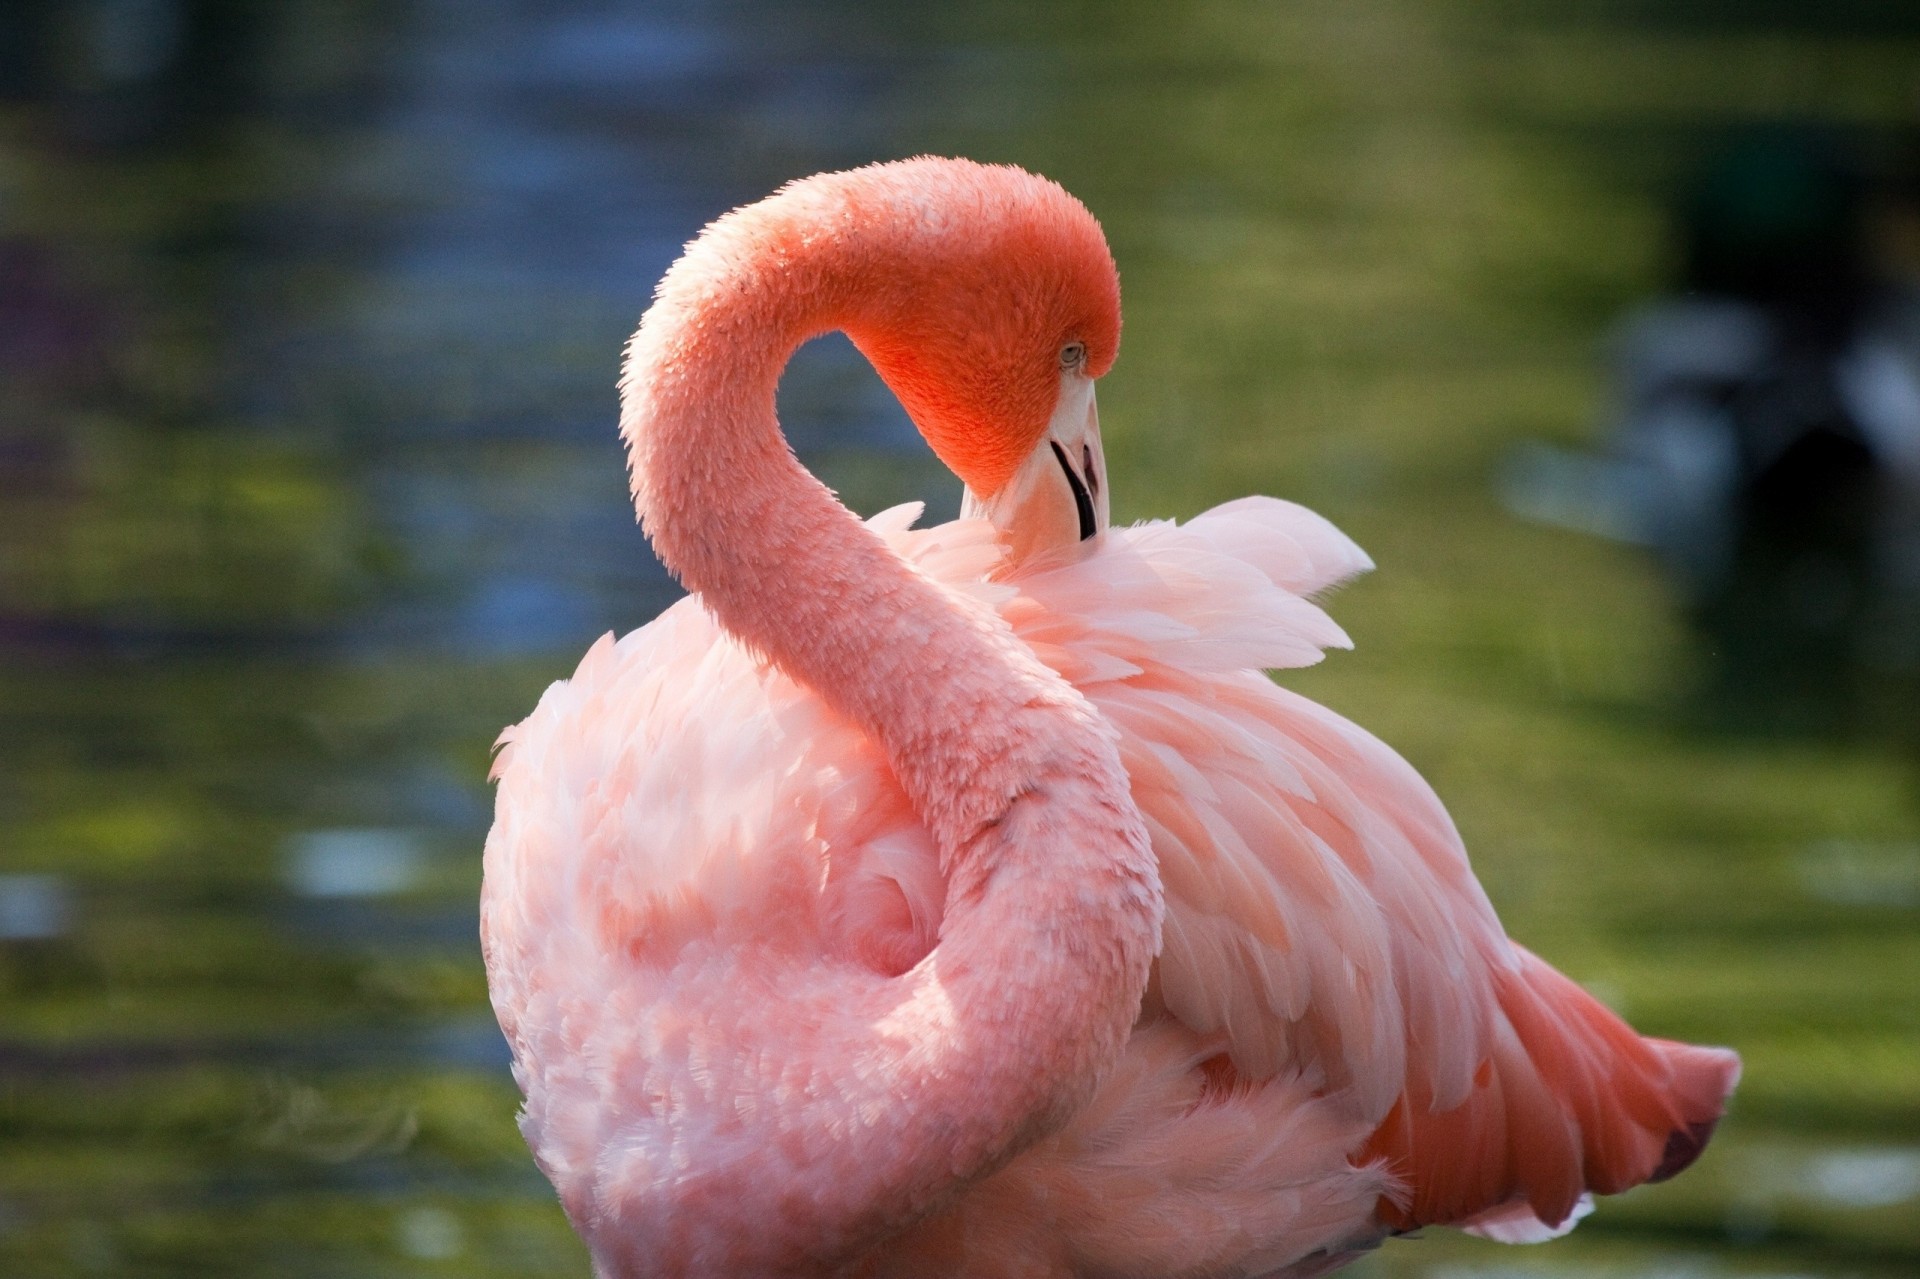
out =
column 1053, row 899
column 782, row 564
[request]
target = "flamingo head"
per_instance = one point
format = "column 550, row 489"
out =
column 996, row 307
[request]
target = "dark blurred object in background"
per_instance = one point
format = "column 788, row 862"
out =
column 1766, row 432
column 1773, row 406
column 129, row 72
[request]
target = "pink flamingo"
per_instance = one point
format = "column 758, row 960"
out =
column 965, row 901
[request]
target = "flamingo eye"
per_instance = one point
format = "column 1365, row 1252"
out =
column 1073, row 355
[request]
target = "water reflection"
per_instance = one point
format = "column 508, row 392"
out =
column 308, row 321
column 33, row 907
column 1871, row 876
column 354, row 863
column 1866, row 1178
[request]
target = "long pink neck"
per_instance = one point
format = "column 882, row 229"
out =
column 1053, row 896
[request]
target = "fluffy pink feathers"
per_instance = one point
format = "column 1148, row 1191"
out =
column 890, row 908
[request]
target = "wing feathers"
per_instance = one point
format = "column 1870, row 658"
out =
column 1322, row 915
column 1581, row 1102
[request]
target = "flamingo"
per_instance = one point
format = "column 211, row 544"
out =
column 966, row 900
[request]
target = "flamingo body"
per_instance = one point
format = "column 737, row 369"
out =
column 786, row 998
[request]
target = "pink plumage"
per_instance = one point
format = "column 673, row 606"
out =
column 965, row 900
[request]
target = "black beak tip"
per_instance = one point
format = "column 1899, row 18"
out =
column 1082, row 500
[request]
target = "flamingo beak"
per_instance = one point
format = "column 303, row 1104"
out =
column 1058, row 496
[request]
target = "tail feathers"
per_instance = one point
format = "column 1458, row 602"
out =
column 1569, row 1102
column 1516, row 1222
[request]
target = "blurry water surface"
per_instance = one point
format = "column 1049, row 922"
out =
column 309, row 320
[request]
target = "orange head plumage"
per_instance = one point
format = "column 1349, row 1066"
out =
column 992, row 278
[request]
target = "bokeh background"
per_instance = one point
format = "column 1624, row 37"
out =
column 309, row 319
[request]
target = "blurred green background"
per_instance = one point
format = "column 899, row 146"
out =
column 309, row 319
